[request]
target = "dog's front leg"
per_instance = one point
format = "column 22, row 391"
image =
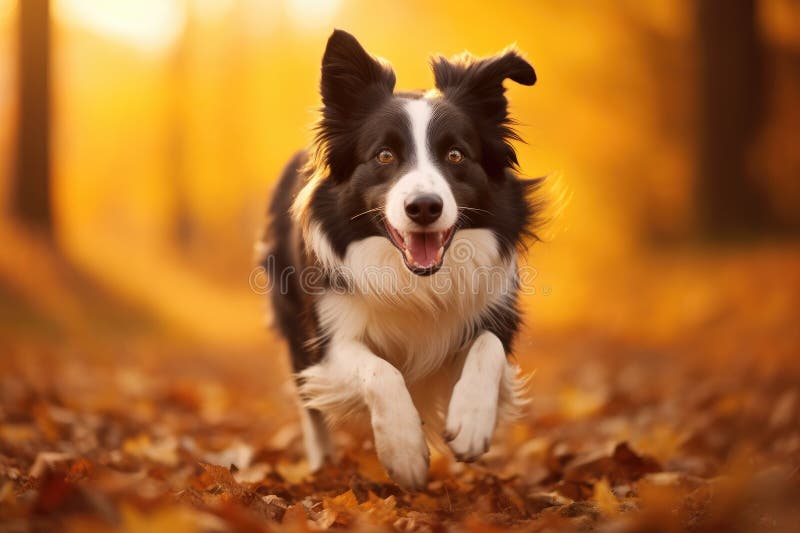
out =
column 396, row 425
column 472, row 413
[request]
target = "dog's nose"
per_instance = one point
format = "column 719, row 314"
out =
column 424, row 209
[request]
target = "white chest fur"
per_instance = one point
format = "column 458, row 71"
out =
column 413, row 322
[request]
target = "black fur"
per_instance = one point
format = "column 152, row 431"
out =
column 293, row 312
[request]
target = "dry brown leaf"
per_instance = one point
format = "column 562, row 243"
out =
column 45, row 460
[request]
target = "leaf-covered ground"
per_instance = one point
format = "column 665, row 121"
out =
column 679, row 411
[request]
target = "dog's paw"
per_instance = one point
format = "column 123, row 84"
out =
column 470, row 424
column 402, row 449
column 316, row 439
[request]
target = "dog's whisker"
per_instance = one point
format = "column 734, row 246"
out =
column 474, row 209
column 380, row 208
column 461, row 218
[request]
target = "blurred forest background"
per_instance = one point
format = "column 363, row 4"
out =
column 139, row 140
column 141, row 137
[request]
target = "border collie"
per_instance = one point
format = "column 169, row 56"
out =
column 392, row 255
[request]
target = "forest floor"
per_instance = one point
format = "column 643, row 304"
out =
column 680, row 413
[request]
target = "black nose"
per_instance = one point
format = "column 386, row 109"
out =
column 424, row 209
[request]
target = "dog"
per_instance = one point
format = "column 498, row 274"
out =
column 392, row 252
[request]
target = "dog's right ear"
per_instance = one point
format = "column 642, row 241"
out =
column 353, row 83
column 351, row 78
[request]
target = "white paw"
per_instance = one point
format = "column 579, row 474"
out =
column 315, row 438
column 470, row 422
column 401, row 447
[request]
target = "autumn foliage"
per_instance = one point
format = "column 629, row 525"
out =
column 626, row 431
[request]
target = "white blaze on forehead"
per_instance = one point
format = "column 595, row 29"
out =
column 419, row 113
column 423, row 176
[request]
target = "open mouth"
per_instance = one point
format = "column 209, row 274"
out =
column 423, row 251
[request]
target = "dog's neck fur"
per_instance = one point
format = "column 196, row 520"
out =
column 411, row 321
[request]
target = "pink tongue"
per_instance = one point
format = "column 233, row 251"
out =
column 424, row 247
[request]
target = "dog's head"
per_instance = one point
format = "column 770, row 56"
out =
column 414, row 167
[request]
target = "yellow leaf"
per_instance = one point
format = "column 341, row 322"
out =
column 606, row 500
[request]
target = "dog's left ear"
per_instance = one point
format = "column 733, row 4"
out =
column 476, row 85
column 486, row 76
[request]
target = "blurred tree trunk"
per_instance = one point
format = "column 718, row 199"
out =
column 31, row 199
column 731, row 91
column 183, row 227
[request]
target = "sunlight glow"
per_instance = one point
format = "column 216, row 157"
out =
column 149, row 25
column 7, row 7
column 211, row 9
column 311, row 13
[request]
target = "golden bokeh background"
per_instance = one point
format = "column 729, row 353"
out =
column 172, row 118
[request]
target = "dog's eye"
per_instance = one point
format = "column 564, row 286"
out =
column 455, row 155
column 385, row 156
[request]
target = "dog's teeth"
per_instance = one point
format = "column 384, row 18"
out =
column 440, row 254
column 409, row 257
